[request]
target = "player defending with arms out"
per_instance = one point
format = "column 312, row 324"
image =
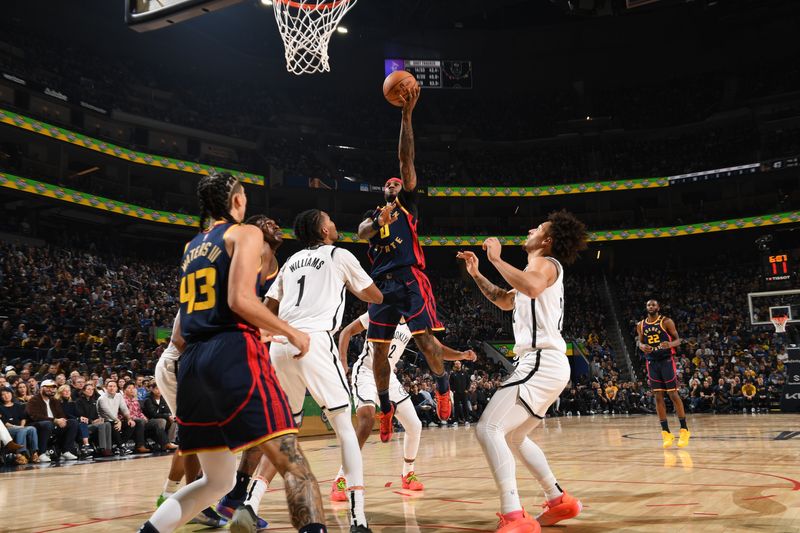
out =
column 309, row 294
column 658, row 339
column 397, row 268
column 542, row 370
column 229, row 398
column 366, row 396
column 253, row 461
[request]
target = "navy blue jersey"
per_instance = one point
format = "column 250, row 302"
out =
column 263, row 288
column 654, row 334
column 396, row 245
column 205, row 268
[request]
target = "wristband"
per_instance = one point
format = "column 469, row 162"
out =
column 375, row 225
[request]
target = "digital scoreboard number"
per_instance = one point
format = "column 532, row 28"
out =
column 778, row 267
column 434, row 73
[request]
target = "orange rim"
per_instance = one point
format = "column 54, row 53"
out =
column 307, row 7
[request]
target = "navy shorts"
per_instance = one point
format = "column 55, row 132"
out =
column 229, row 397
column 662, row 375
column 407, row 293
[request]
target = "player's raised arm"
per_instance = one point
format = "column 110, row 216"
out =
column 247, row 242
column 373, row 223
column 355, row 278
column 406, row 146
column 541, row 272
column 502, row 298
column 353, row 328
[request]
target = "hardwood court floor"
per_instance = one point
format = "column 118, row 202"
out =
column 739, row 473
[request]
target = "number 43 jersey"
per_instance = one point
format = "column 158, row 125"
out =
column 205, row 267
column 311, row 284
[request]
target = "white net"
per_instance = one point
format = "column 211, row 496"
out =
column 306, row 27
column 780, row 323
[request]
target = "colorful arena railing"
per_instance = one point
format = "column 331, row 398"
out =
column 10, row 181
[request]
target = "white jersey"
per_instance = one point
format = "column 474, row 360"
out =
column 402, row 336
column 310, row 287
column 537, row 323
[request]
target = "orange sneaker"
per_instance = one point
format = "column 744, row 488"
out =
column 386, row 425
column 568, row 508
column 524, row 524
column 411, row 482
column 443, row 406
column 339, row 490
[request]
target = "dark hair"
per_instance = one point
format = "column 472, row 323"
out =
column 214, row 194
column 129, row 384
column 259, row 221
column 569, row 236
column 307, row 227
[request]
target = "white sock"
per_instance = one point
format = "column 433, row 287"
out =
column 257, row 489
column 351, row 463
column 407, row 467
column 219, row 477
column 407, row 416
column 170, row 488
column 341, row 472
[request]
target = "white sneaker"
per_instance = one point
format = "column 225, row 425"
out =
column 44, row 458
column 69, row 456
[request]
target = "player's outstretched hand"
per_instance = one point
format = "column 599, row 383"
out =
column 410, row 98
column 469, row 355
column 387, row 214
column 301, row 341
column 493, row 247
column 470, row 260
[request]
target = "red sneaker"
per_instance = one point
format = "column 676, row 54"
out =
column 443, row 406
column 411, row 482
column 523, row 524
column 386, row 425
column 339, row 490
column 568, row 508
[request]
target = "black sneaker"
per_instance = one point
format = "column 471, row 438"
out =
column 360, row 529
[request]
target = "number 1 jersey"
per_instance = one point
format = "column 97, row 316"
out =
column 205, row 268
column 310, row 287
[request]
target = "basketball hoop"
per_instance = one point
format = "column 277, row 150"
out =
column 306, row 27
column 780, row 323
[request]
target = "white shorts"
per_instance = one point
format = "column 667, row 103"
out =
column 365, row 391
column 540, row 377
column 320, row 371
column 166, row 374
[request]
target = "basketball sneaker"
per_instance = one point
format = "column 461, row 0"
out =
column 523, row 524
column 411, row 482
column 227, row 506
column 359, row 529
column 245, row 520
column 386, row 425
column 207, row 517
column 668, row 438
column 161, row 499
column 443, row 406
column 567, row 507
column 683, row 438
column 339, row 490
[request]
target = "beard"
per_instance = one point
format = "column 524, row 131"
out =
column 389, row 197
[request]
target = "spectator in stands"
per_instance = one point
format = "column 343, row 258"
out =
column 7, row 445
column 12, row 416
column 99, row 429
column 156, row 408
column 459, row 381
column 423, row 404
column 47, row 415
column 112, row 408
column 64, row 395
column 156, row 427
column 722, row 397
column 749, row 393
column 23, row 396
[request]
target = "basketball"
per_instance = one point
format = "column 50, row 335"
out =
column 395, row 84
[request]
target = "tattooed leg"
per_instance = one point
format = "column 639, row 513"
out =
column 380, row 365
column 432, row 350
column 302, row 490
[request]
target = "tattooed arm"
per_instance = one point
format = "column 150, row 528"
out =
column 405, row 149
column 502, row 298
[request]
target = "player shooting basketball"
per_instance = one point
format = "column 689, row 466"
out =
column 397, row 268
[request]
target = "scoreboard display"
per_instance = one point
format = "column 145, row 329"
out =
column 434, row 73
column 778, row 267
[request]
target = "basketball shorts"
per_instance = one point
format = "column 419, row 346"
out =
column 319, row 371
column 539, row 378
column 662, row 374
column 166, row 375
column 406, row 292
column 229, row 396
column 365, row 391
